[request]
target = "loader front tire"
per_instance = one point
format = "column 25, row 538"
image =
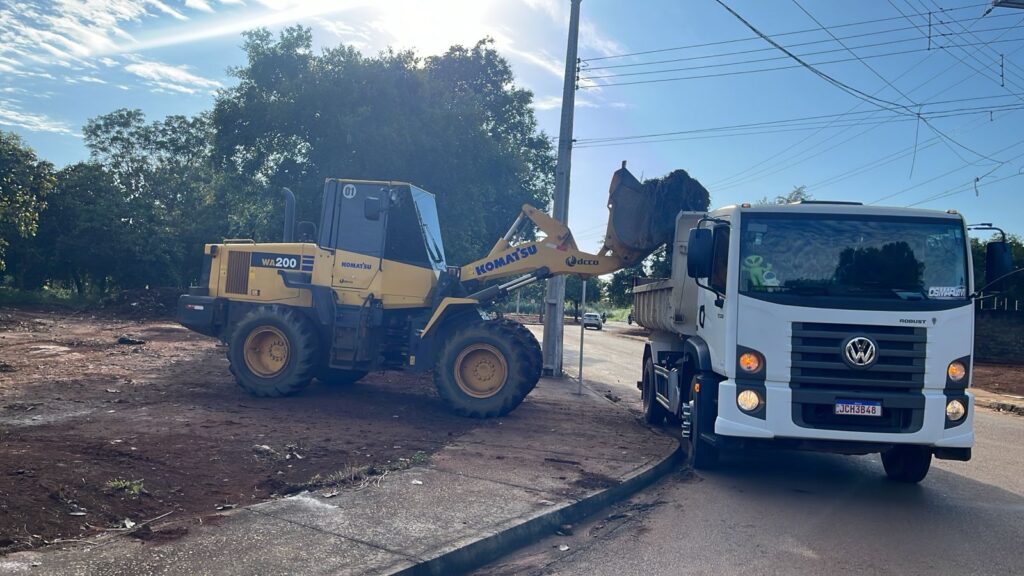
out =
column 273, row 351
column 486, row 369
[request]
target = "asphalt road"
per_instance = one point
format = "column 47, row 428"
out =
column 779, row 512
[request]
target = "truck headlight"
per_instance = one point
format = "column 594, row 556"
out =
column 956, row 371
column 955, row 410
column 748, row 400
column 750, row 362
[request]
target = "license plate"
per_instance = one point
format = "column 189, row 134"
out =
column 858, row 408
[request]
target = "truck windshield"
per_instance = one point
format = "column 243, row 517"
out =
column 426, row 208
column 784, row 257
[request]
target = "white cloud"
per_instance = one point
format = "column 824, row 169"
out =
column 92, row 79
column 592, row 40
column 168, row 77
column 201, row 5
column 553, row 102
column 12, row 115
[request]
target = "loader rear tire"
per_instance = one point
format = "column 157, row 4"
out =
column 273, row 351
column 486, row 369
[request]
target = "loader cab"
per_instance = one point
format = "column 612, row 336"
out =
column 372, row 225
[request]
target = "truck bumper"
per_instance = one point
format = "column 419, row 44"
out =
column 199, row 314
column 782, row 419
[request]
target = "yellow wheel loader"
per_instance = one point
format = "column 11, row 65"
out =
column 370, row 290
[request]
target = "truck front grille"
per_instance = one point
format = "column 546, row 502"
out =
column 818, row 357
column 238, row 273
column 820, row 377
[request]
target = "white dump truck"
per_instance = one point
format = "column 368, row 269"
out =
column 826, row 326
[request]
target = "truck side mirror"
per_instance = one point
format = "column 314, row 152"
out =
column 998, row 263
column 372, row 208
column 699, row 253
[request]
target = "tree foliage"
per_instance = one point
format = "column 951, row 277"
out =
column 798, row 194
column 621, row 284
column 24, row 183
column 153, row 192
column 454, row 124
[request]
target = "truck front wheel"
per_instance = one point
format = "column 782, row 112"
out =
column 908, row 464
column 702, row 454
column 273, row 351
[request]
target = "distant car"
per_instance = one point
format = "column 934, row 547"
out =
column 592, row 320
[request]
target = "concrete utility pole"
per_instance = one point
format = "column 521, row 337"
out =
column 554, row 300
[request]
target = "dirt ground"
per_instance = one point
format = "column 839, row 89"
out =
column 94, row 432
column 1001, row 378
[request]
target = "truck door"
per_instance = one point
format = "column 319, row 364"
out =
column 354, row 225
column 712, row 316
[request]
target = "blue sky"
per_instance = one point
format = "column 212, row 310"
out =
column 745, row 135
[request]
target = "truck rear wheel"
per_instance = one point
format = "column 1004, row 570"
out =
column 908, row 464
column 654, row 412
column 702, row 454
column 273, row 351
column 485, row 369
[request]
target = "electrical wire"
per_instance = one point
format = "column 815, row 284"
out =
column 585, row 67
column 721, row 42
column 773, row 59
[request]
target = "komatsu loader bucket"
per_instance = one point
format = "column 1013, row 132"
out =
column 642, row 216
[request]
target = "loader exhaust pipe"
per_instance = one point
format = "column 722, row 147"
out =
column 289, row 215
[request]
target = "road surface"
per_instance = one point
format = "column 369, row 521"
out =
column 782, row 512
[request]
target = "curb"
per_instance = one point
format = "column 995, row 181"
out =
column 463, row 558
column 998, row 406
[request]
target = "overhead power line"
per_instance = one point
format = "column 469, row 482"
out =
column 586, row 67
column 733, row 41
column 585, row 76
column 855, row 118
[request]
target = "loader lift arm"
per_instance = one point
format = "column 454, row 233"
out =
column 555, row 253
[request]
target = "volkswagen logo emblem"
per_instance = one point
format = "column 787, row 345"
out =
column 860, row 352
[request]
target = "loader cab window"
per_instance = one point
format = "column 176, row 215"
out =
column 720, row 259
column 426, row 209
column 404, row 242
column 344, row 224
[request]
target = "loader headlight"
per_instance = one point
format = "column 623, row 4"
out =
column 750, row 362
column 956, row 371
column 748, row 400
column 955, row 410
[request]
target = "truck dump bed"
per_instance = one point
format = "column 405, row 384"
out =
column 670, row 305
column 651, row 305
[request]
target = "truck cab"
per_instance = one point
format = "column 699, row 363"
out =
column 824, row 326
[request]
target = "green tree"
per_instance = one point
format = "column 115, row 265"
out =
column 621, row 285
column 455, row 124
column 574, row 291
column 24, row 183
column 798, row 194
column 172, row 195
column 86, row 209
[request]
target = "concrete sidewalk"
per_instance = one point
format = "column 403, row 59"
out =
column 555, row 459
